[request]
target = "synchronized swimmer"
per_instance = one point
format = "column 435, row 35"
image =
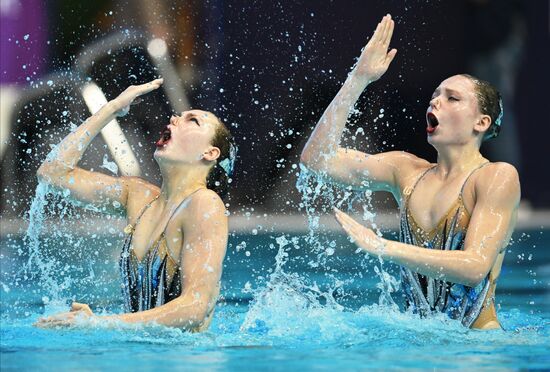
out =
column 457, row 215
column 176, row 238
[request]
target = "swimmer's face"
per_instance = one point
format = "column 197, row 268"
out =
column 453, row 116
column 187, row 138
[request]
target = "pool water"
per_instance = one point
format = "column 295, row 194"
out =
column 282, row 308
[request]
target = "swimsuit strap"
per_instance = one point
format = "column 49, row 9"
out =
column 163, row 233
column 409, row 190
column 130, row 227
column 178, row 207
column 470, row 175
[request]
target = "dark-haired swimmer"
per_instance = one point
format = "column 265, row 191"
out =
column 456, row 216
column 176, row 238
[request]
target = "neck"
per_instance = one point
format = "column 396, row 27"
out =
column 179, row 181
column 453, row 160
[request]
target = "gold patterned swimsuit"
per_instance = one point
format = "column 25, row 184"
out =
column 153, row 281
column 428, row 295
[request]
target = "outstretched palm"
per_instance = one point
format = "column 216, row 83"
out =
column 125, row 99
column 375, row 58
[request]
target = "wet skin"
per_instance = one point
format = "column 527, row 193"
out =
column 196, row 235
column 491, row 195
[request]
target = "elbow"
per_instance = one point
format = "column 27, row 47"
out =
column 196, row 320
column 474, row 277
column 471, row 281
column 50, row 170
column 308, row 161
column 305, row 158
column 44, row 172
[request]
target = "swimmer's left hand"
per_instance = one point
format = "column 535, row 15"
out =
column 78, row 313
column 364, row 237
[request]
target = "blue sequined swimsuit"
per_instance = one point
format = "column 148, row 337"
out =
column 428, row 295
column 153, row 281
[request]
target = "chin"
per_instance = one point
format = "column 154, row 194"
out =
column 436, row 142
column 160, row 154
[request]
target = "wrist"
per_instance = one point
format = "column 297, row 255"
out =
column 382, row 247
column 113, row 106
column 359, row 79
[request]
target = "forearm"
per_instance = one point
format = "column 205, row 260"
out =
column 70, row 150
column 452, row 266
column 184, row 312
column 325, row 139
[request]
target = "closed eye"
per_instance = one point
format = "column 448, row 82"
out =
column 195, row 120
column 451, row 98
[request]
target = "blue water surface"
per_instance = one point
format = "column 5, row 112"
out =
column 283, row 307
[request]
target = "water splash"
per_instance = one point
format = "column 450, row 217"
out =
column 288, row 304
column 318, row 196
column 39, row 266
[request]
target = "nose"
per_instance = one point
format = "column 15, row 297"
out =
column 434, row 102
column 173, row 119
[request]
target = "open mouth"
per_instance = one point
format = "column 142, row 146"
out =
column 165, row 136
column 432, row 122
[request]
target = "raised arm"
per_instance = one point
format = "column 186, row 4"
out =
column 491, row 225
column 60, row 168
column 322, row 152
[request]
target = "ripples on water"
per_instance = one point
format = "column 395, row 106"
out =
column 290, row 312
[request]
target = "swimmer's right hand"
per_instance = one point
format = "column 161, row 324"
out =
column 375, row 58
column 124, row 100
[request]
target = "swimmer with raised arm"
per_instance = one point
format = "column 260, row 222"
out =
column 176, row 237
column 456, row 216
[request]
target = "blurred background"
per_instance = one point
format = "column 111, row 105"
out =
column 268, row 69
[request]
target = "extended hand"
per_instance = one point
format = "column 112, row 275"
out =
column 69, row 319
column 364, row 237
column 125, row 99
column 375, row 58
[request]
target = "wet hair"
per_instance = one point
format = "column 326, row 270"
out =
column 219, row 176
column 490, row 103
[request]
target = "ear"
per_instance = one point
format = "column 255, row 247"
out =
column 211, row 154
column 483, row 124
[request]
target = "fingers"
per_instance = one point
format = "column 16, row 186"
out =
column 388, row 31
column 377, row 33
column 156, row 83
column 343, row 216
column 54, row 320
column 390, row 56
column 51, row 324
column 152, row 85
column 382, row 29
column 384, row 32
column 389, row 35
column 78, row 311
column 347, row 223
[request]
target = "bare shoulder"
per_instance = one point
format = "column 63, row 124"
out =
column 498, row 180
column 404, row 160
column 408, row 165
column 204, row 217
column 206, row 201
column 503, row 173
column 140, row 192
